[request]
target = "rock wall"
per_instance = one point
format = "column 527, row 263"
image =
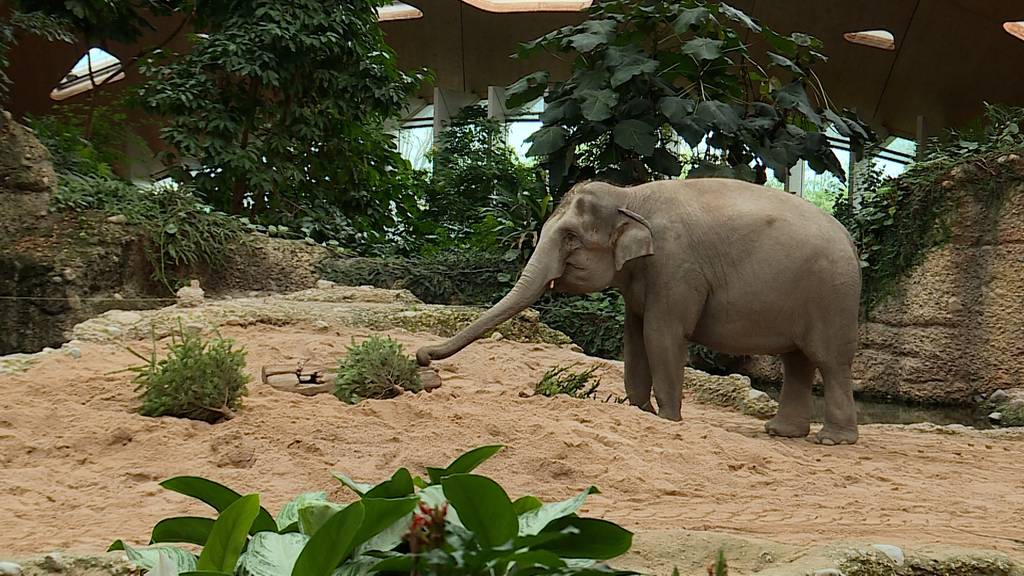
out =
column 955, row 327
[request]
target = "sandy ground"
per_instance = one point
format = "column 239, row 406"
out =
column 78, row 468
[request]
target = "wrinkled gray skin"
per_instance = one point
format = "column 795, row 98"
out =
column 739, row 268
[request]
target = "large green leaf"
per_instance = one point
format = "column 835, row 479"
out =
column 794, row 96
column 313, row 515
column 703, row 48
column 636, row 135
column 625, row 62
column 691, row 18
column 525, row 504
column 331, row 544
column 594, row 33
column 398, row 486
column 526, row 89
column 675, row 108
column 597, row 104
column 545, row 141
column 271, row 554
column 190, row 529
column 534, row 521
column 483, row 507
column 218, row 496
column 738, row 16
column 719, row 114
column 664, row 162
column 148, row 558
column 562, row 111
column 468, row 461
column 588, row 538
column 289, row 514
column 229, row 535
column 783, row 62
column 359, row 488
column 380, row 514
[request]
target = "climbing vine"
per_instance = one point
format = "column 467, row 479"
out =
column 899, row 220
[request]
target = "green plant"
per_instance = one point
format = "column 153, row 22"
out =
column 452, row 523
column 593, row 321
column 896, row 222
column 561, row 380
column 646, row 75
column 198, row 379
column 375, row 369
column 719, row 566
column 284, row 105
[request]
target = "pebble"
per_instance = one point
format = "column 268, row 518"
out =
column 998, row 396
column 117, row 296
column 320, row 325
column 893, row 552
column 195, row 328
column 75, row 353
column 68, row 274
column 9, row 569
column 114, row 331
column 54, row 562
column 324, row 284
column 996, row 416
column 497, row 336
column 117, row 219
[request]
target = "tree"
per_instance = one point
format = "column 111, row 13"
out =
column 281, row 104
column 647, row 74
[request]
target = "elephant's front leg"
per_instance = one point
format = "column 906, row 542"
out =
column 666, row 356
column 638, row 372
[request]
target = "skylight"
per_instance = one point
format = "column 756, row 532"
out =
column 104, row 66
column 1015, row 29
column 882, row 39
column 398, row 11
column 530, row 5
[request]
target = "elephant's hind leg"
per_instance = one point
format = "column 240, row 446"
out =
column 794, row 417
column 840, row 410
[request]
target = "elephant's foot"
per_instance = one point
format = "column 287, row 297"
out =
column 833, row 435
column 787, row 427
column 673, row 415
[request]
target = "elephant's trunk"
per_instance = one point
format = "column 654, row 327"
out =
column 544, row 266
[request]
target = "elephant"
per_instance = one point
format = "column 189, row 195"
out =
column 734, row 266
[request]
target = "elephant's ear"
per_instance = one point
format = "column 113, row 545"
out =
column 633, row 238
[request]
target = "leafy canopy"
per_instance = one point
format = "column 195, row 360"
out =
column 282, row 105
column 647, row 74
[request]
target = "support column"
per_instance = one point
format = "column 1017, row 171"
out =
column 496, row 103
column 922, row 137
column 447, row 103
column 795, row 179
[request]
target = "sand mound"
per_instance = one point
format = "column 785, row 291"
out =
column 80, row 468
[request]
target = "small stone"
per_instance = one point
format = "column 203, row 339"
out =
column 324, row 284
column 117, row 296
column 117, row 219
column 123, row 317
column 999, row 396
column 893, row 552
column 54, row 562
column 996, row 417
column 68, row 274
column 320, row 325
column 756, row 395
column 56, row 279
column 576, row 348
column 947, row 184
column 253, row 294
column 114, row 331
column 195, row 328
column 497, row 336
column 75, row 353
column 190, row 296
column 9, row 569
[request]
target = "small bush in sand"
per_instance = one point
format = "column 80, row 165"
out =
column 452, row 523
column 375, row 369
column 199, row 379
column 561, row 380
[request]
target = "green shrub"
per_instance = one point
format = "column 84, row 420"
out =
column 400, row 526
column 561, row 380
column 199, row 379
column 375, row 369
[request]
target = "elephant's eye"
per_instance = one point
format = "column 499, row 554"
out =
column 572, row 241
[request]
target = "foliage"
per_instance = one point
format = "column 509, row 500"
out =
column 452, row 523
column 646, row 75
column 375, row 369
column 103, row 20
column 199, row 379
column 719, row 567
column 595, row 322
column 561, row 380
column 283, row 105
column 63, row 133
column 899, row 220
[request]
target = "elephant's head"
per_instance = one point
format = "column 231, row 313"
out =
column 582, row 247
